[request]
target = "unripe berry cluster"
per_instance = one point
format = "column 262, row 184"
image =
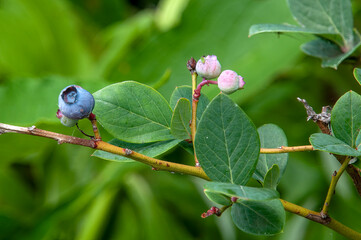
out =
column 228, row 81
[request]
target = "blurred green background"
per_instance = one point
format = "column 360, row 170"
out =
column 51, row 191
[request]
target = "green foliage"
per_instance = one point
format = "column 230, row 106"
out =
column 181, row 118
column 327, row 17
column 256, row 210
column 133, row 112
column 259, row 217
column 332, row 23
column 345, row 122
column 327, row 143
column 227, row 143
column 271, row 136
column 51, row 191
column 346, row 118
column 240, row 192
column 357, row 74
column 272, row 177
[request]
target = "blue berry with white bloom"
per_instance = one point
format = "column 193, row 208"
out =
column 75, row 102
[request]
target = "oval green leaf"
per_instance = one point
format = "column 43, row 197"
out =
column 327, row 143
column 332, row 16
column 133, row 112
column 182, row 115
column 330, row 53
column 259, row 217
column 346, row 118
column 272, row 177
column 227, row 143
column 281, row 28
column 357, row 75
column 241, row 192
column 218, row 198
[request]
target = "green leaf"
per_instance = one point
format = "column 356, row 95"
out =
column 227, row 143
column 330, row 53
column 186, row 92
column 332, row 16
column 327, row 143
column 271, row 136
column 153, row 149
column 218, row 198
column 181, row 118
column 259, row 217
column 330, row 20
column 357, row 75
column 229, row 190
column 272, row 177
column 346, row 118
column 321, row 48
column 133, row 112
column 281, row 28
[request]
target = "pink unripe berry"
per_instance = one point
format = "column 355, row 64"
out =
column 208, row 67
column 229, row 82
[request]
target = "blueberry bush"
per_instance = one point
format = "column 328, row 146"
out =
column 221, row 136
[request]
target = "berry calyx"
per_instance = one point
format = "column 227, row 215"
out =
column 68, row 122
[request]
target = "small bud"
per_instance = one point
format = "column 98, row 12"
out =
column 191, row 65
column 208, row 67
column 229, row 82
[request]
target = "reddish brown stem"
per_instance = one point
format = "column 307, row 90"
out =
column 197, row 91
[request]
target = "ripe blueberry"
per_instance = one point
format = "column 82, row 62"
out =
column 75, row 102
column 208, row 67
column 229, row 81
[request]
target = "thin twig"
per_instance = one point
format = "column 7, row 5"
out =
column 104, row 146
column 193, row 124
column 93, row 121
column 327, row 222
column 335, row 177
column 61, row 138
column 284, row 149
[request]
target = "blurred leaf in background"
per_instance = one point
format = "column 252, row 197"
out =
column 51, row 191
